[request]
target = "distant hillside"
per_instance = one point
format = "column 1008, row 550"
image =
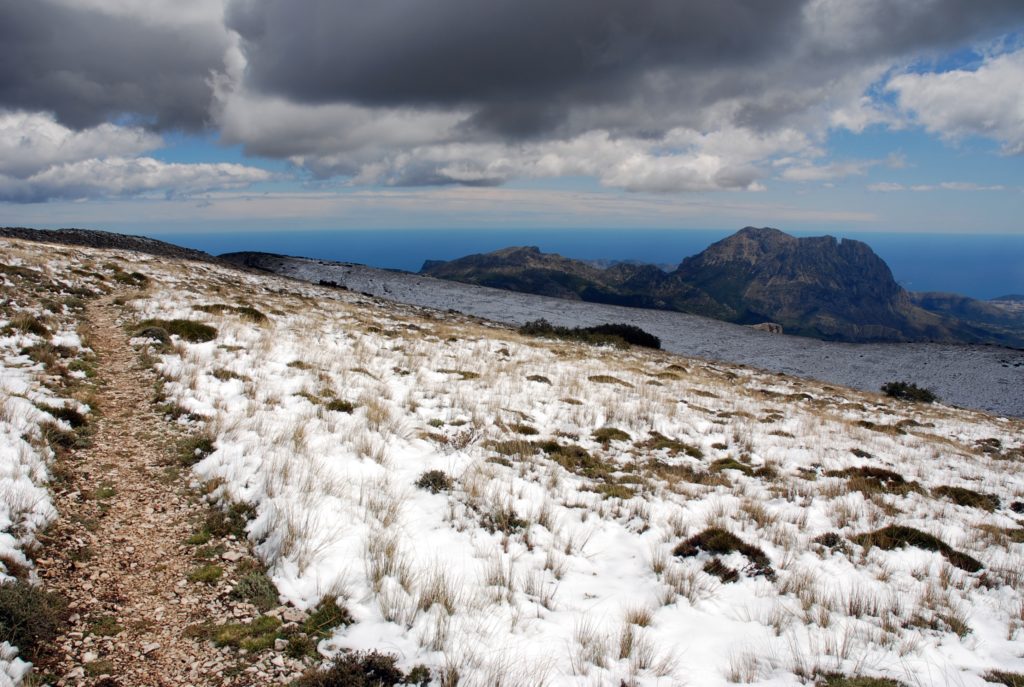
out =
column 819, row 287
column 106, row 239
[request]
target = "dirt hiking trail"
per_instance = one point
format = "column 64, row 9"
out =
column 118, row 552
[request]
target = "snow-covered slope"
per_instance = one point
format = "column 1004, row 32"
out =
column 983, row 377
column 38, row 351
column 597, row 516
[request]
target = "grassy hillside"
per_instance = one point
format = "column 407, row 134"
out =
column 498, row 508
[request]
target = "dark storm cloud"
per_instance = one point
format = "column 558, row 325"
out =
column 524, row 65
column 523, row 62
column 88, row 66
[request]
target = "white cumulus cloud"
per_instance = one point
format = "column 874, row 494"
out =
column 41, row 159
column 988, row 101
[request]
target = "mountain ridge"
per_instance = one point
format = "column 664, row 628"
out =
column 823, row 287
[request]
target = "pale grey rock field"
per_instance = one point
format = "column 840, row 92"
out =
column 988, row 378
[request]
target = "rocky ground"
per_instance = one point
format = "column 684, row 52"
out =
column 131, row 554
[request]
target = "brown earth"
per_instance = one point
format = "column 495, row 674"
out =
column 119, row 550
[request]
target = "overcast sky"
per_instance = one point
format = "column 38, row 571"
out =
column 895, row 115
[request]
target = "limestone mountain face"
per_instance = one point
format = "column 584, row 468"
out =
column 816, row 286
column 820, row 287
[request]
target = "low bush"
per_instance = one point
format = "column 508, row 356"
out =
column 232, row 520
column 1000, row 677
column 207, row 574
column 27, row 324
column 731, row 464
column 30, row 617
column 325, row 617
column 715, row 540
column 246, row 312
column 68, row 415
column 837, row 680
column 194, row 448
column 434, row 481
column 189, row 330
column 363, row 669
column 502, row 518
column 255, row 636
column 606, row 435
column 907, row 391
column 963, row 496
column 898, row 536
column 874, row 480
column 603, row 334
column 659, row 442
column 256, row 588
column 340, row 405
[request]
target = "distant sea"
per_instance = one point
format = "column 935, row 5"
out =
column 978, row 265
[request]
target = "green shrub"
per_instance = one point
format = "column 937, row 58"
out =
column 27, row 324
column 189, row 330
column 340, row 405
column 619, row 335
column 731, row 464
column 434, row 481
column 157, row 333
column 68, row 415
column 255, row 636
column 837, row 680
column 575, row 459
column 232, row 520
column 908, row 392
column 608, row 379
column 361, row 669
column 523, row 428
column 659, row 442
column 256, row 588
column 502, row 519
column 628, row 333
column 897, row 536
column 207, row 574
column 246, row 312
column 105, row 626
column 30, row 617
column 326, row 616
column 868, row 480
column 1003, row 678
column 605, row 435
column 715, row 540
column 194, row 448
column 963, row 496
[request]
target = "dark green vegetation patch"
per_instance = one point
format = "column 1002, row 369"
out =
column 246, row 312
column 1003, row 678
column 605, row 435
column 963, row 496
column 874, row 480
column 715, row 540
column 363, row 669
column 29, row 617
column 898, row 536
column 620, row 335
column 434, row 481
column 837, row 680
column 189, row 330
column 908, row 391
